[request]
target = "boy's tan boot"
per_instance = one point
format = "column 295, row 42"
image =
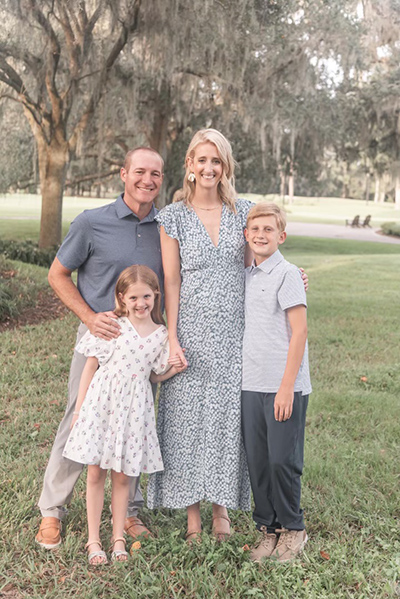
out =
column 265, row 546
column 290, row 544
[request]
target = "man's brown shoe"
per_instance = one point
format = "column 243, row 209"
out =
column 135, row 528
column 49, row 535
column 265, row 546
column 290, row 544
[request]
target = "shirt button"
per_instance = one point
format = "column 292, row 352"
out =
column 138, row 234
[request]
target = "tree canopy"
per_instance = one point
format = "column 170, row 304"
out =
column 296, row 86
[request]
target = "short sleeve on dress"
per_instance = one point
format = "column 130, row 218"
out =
column 91, row 346
column 243, row 207
column 160, row 364
column 167, row 219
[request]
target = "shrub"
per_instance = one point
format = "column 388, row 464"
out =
column 27, row 251
column 391, row 229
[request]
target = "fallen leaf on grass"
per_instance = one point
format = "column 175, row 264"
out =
column 246, row 547
column 172, row 573
column 55, row 402
column 62, row 579
column 37, row 425
column 135, row 546
column 306, row 581
column 364, row 379
column 324, row 555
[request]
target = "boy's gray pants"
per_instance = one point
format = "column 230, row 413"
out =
column 61, row 474
column 274, row 453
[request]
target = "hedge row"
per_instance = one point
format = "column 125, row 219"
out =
column 391, row 229
column 27, row 251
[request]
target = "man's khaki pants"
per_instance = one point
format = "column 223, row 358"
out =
column 61, row 474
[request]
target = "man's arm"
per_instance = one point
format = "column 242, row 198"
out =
column 283, row 405
column 99, row 324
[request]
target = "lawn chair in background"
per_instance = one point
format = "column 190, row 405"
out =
column 366, row 221
column 355, row 222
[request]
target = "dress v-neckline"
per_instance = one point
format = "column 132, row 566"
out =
column 137, row 332
column 205, row 229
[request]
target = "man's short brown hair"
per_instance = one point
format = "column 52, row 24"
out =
column 128, row 157
column 267, row 209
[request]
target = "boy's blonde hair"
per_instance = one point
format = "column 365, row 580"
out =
column 138, row 274
column 226, row 186
column 268, row 209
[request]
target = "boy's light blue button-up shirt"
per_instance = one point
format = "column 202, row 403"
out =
column 271, row 289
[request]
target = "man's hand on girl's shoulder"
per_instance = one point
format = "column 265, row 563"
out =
column 104, row 325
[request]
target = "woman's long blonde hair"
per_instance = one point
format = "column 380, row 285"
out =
column 226, row 186
column 135, row 274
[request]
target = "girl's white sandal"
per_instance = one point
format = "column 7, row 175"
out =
column 117, row 554
column 93, row 554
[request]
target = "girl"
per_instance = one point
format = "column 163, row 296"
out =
column 114, row 426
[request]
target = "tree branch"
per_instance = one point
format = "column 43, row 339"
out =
column 127, row 27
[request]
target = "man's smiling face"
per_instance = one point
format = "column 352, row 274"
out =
column 143, row 180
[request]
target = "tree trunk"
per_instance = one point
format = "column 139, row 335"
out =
column 367, row 187
column 377, row 187
column 283, row 184
column 53, row 162
column 397, row 192
column 158, row 141
column 291, row 184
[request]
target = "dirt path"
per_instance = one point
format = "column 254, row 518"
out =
column 339, row 232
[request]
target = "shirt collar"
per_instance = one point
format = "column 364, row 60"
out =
column 123, row 210
column 269, row 264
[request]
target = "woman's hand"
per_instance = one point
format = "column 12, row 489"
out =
column 304, row 277
column 176, row 354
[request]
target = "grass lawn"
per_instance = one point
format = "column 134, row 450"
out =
column 350, row 482
column 20, row 213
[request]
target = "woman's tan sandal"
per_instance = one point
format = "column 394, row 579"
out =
column 220, row 534
column 193, row 536
column 118, row 555
column 96, row 558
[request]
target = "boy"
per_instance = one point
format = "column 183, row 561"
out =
column 276, row 385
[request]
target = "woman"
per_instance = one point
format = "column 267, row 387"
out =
column 203, row 251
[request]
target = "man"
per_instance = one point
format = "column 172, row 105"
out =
column 99, row 245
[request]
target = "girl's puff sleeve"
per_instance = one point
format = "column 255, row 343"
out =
column 167, row 218
column 91, row 346
column 160, row 364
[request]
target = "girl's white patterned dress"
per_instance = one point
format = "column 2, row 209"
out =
column 199, row 424
column 116, row 425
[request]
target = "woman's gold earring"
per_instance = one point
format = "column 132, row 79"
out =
column 191, row 177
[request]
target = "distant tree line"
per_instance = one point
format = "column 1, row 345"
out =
column 307, row 91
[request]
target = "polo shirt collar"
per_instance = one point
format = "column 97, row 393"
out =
column 269, row 264
column 123, row 210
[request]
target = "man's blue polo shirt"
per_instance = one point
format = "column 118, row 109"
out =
column 102, row 242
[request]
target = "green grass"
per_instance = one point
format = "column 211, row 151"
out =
column 351, row 476
column 20, row 213
column 20, row 285
column 333, row 211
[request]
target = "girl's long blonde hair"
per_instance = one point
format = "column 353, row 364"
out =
column 138, row 274
column 226, row 186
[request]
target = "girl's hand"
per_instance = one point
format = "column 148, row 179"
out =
column 176, row 361
column 175, row 351
column 74, row 419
